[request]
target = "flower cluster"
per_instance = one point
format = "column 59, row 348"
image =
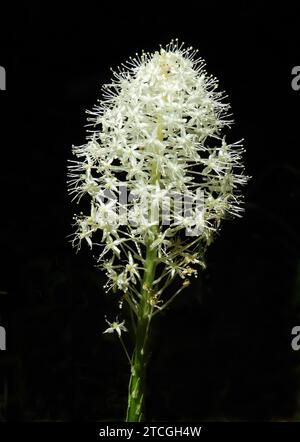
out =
column 158, row 132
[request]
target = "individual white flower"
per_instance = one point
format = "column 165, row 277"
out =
column 123, row 281
column 132, row 269
column 112, row 245
column 160, row 243
column 115, row 326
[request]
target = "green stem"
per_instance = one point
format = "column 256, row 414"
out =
column 136, row 389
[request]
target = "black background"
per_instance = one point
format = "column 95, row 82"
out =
column 223, row 351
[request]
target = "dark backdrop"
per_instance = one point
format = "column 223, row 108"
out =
column 223, row 351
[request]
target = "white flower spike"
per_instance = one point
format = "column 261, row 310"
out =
column 158, row 130
column 158, row 133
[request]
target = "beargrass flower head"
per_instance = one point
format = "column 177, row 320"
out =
column 157, row 171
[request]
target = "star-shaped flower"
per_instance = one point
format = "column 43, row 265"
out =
column 115, row 326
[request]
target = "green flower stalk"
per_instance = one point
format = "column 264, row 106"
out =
column 160, row 178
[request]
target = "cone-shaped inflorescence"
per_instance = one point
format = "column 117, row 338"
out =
column 160, row 177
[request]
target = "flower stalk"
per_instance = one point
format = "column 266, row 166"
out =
column 137, row 385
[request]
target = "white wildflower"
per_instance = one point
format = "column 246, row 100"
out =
column 132, row 269
column 115, row 326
